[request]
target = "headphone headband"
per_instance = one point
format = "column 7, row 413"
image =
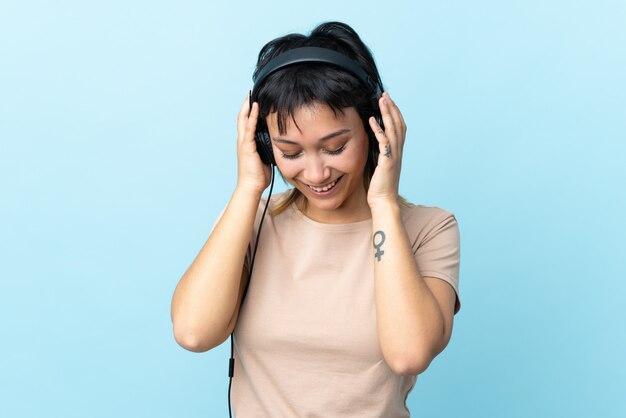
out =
column 311, row 54
column 315, row 54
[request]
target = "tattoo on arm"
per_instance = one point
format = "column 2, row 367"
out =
column 387, row 151
column 381, row 241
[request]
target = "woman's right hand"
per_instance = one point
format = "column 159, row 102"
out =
column 252, row 175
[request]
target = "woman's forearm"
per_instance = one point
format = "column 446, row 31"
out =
column 409, row 321
column 206, row 296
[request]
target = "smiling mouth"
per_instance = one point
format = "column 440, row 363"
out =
column 324, row 188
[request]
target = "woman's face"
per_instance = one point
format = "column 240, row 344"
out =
column 324, row 157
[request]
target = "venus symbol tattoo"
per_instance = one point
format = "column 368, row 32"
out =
column 387, row 151
column 379, row 252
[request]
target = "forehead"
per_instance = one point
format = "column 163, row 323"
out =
column 312, row 118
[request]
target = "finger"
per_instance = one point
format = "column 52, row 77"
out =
column 384, row 145
column 385, row 111
column 250, row 126
column 392, row 131
column 244, row 112
column 396, row 114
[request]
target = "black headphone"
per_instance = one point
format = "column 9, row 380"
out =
column 304, row 55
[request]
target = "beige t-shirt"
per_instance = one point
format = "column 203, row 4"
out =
column 305, row 342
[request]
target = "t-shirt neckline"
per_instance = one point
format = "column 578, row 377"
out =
column 352, row 226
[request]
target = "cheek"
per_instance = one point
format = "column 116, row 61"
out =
column 358, row 157
column 287, row 168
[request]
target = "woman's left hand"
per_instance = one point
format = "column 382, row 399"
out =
column 384, row 185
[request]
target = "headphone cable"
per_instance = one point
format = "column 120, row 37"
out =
column 231, row 364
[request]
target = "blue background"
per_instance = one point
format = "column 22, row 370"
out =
column 117, row 152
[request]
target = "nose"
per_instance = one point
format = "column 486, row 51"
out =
column 316, row 173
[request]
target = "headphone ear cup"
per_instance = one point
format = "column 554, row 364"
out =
column 264, row 144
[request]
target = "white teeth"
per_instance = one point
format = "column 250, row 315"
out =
column 323, row 189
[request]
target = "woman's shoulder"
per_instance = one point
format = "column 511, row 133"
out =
column 279, row 203
column 276, row 200
column 420, row 214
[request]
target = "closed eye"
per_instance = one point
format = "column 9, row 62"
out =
column 290, row 156
column 336, row 151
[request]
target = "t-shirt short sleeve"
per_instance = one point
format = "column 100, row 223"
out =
column 437, row 246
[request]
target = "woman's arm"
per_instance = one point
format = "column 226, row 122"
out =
column 206, row 301
column 413, row 314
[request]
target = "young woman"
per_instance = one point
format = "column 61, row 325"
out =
column 352, row 289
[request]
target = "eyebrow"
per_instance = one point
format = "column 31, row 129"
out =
column 322, row 139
